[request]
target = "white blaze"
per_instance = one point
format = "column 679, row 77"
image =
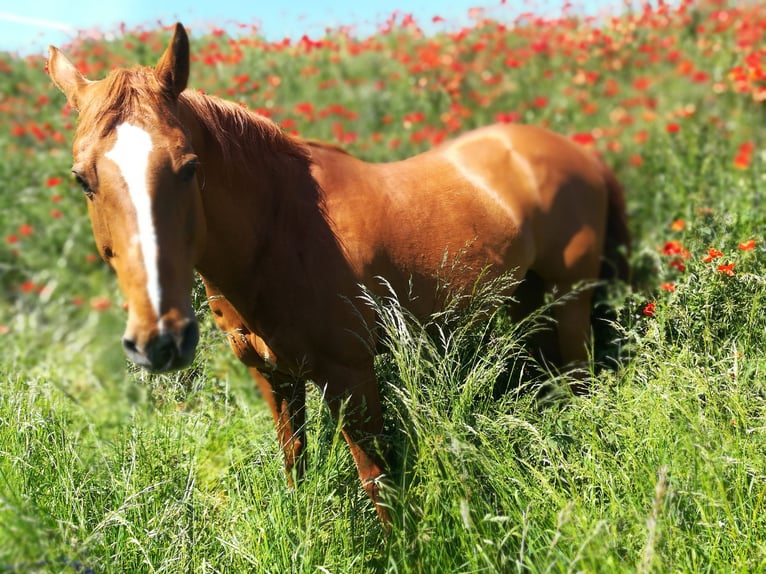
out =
column 131, row 154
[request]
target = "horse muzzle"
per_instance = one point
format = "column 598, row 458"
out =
column 164, row 351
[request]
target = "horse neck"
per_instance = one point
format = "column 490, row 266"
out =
column 262, row 206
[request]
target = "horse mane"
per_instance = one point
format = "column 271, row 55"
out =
column 229, row 123
column 321, row 144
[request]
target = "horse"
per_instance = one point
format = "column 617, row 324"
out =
column 286, row 233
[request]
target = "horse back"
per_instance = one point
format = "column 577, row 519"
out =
column 505, row 196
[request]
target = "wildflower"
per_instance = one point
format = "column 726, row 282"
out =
column 727, row 269
column 744, row 155
column 712, row 253
column 672, row 128
column 11, row 239
column 641, row 84
column 584, row 138
column 53, row 181
column 649, row 309
column 677, row 264
column 675, row 247
column 27, row 286
column 507, row 117
column 747, row 245
column 413, row 118
column 305, row 108
column 26, row 230
column 56, row 214
column 678, row 225
column 4, row 329
column 100, row 303
column 670, row 287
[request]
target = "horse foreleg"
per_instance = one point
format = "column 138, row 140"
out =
column 286, row 398
column 359, row 409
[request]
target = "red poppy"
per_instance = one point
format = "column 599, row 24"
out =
column 678, row 264
column 744, row 155
column 672, row 128
column 584, row 138
column 507, row 117
column 100, row 303
column 678, row 225
column 727, row 269
column 675, row 247
column 747, row 245
column 669, row 287
column 712, row 253
column 649, row 309
column 53, row 181
column 305, row 108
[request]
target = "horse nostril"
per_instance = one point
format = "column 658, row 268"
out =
column 190, row 338
column 133, row 353
column 129, row 345
column 162, row 352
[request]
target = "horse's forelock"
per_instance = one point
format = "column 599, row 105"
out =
column 118, row 97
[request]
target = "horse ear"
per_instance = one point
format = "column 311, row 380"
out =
column 65, row 76
column 172, row 69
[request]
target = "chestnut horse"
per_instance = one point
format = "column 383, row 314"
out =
column 285, row 232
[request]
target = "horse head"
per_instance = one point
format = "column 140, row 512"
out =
column 135, row 163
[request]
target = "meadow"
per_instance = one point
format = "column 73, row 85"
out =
column 661, row 468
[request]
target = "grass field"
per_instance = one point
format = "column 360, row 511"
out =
column 662, row 468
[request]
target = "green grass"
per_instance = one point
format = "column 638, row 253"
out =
column 659, row 469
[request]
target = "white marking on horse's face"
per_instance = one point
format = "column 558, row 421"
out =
column 131, row 154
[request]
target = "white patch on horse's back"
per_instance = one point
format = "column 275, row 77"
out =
column 524, row 166
column 453, row 155
column 131, row 154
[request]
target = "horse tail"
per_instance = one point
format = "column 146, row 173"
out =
column 617, row 237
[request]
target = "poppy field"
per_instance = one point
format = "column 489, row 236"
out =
column 660, row 468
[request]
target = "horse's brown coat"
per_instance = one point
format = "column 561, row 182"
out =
column 283, row 232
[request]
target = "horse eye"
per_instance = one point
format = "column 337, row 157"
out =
column 83, row 183
column 188, row 170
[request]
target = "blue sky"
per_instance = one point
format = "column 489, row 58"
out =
column 28, row 27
